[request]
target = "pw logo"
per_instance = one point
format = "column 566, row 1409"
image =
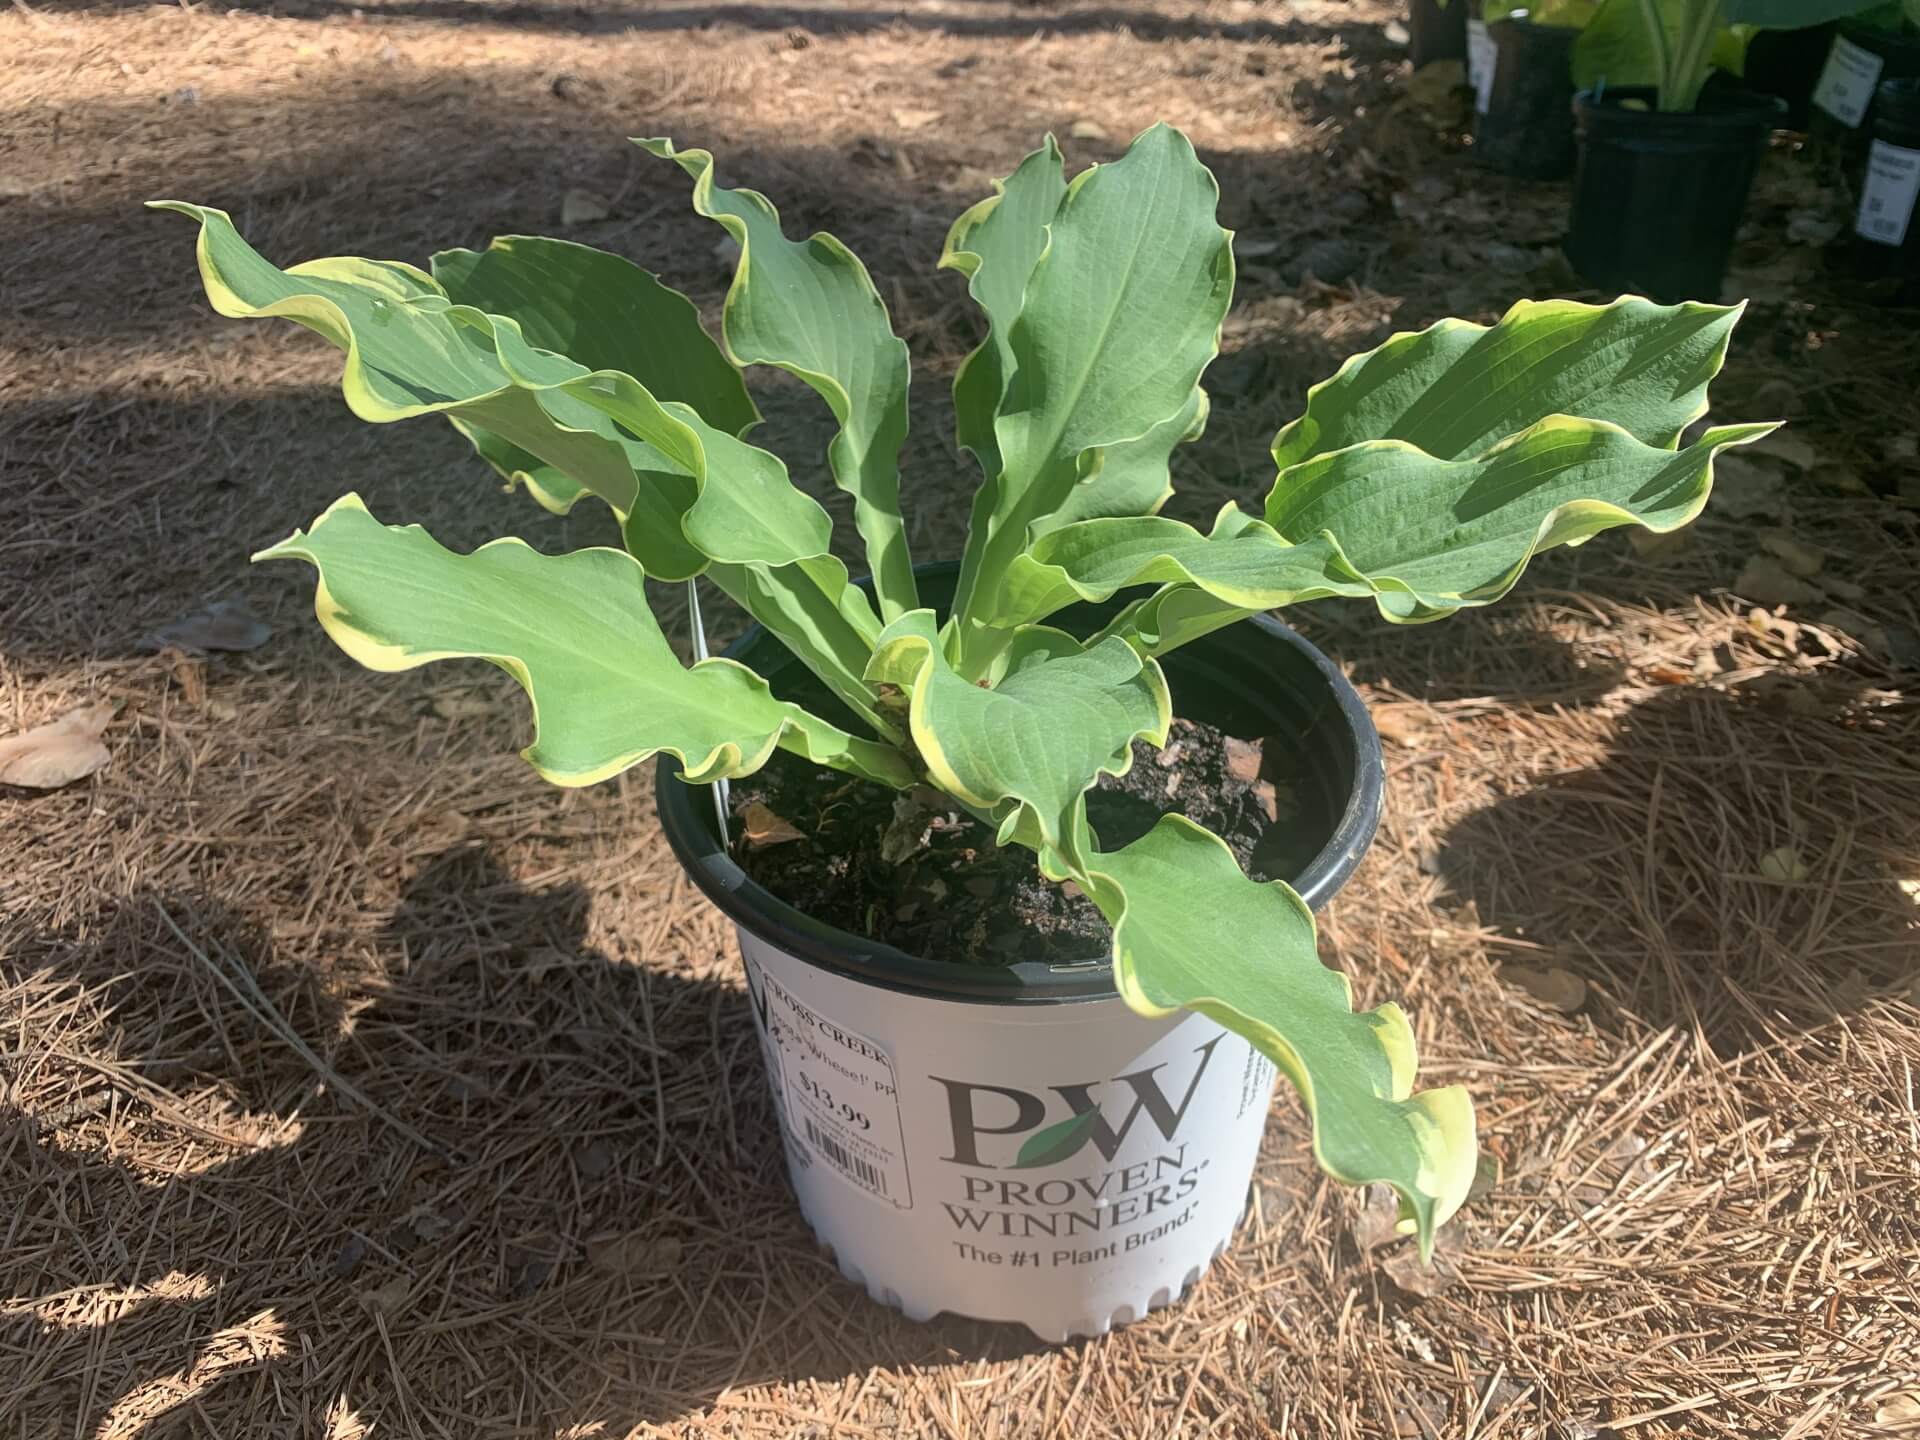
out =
column 971, row 1109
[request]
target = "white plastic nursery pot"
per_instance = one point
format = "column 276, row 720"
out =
column 1012, row 1142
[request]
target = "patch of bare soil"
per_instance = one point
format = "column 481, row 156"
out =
column 352, row 1082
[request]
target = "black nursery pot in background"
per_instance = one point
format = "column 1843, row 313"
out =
column 1527, row 129
column 1436, row 32
column 1886, row 228
column 1859, row 60
column 1788, row 63
column 1657, row 197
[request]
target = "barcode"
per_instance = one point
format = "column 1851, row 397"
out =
column 851, row 1165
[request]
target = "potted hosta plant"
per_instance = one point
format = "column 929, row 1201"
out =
column 1664, row 164
column 999, row 1131
column 1665, row 160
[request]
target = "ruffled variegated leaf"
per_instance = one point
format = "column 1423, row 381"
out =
column 1120, row 315
column 602, row 312
column 692, row 491
column 1423, row 536
column 1058, row 715
column 639, row 327
column 576, row 633
column 996, row 244
column 552, row 489
column 811, row 605
column 821, row 616
column 630, row 323
column 1435, row 535
column 1134, row 476
column 1456, row 389
column 809, row 307
column 1242, row 561
column 1190, row 931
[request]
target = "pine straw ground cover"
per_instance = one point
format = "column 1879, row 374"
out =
column 351, row 1082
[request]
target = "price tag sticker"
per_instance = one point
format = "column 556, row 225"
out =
column 1846, row 85
column 1887, row 199
column 838, row 1099
column 1483, row 58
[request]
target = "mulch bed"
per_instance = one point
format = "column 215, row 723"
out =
column 353, row 1082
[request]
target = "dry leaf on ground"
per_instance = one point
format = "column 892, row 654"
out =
column 1786, row 446
column 1402, row 724
column 1743, row 489
column 1558, row 989
column 1416, row 1277
column 386, row 1299
column 59, row 752
column 1784, row 865
column 763, row 827
column 1797, row 556
column 582, row 207
column 1378, row 1219
column 617, row 1254
column 1767, row 582
column 1898, row 1410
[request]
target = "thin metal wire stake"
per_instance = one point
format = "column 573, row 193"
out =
column 719, row 787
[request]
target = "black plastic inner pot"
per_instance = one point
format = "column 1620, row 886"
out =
column 1256, row 678
column 1658, row 196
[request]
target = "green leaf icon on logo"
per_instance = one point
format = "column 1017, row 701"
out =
column 1057, row 1142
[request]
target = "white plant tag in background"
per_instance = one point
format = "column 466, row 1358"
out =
column 1887, row 199
column 1846, row 85
column 1483, row 56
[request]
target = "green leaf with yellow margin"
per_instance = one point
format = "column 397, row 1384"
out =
column 576, row 633
column 695, row 491
column 602, row 312
column 1119, row 317
column 631, row 323
column 809, row 307
column 996, row 244
column 552, row 489
column 1437, row 535
column 1056, row 715
column 1190, row 931
column 639, row 327
column 1457, row 389
column 1423, row 536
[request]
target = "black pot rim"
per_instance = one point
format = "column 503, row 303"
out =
column 1736, row 114
column 758, row 910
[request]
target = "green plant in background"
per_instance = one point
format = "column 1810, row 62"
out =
column 1674, row 46
column 1422, row 477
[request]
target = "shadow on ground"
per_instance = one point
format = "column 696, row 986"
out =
column 963, row 20
column 159, row 445
column 515, row 1132
column 1732, row 867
